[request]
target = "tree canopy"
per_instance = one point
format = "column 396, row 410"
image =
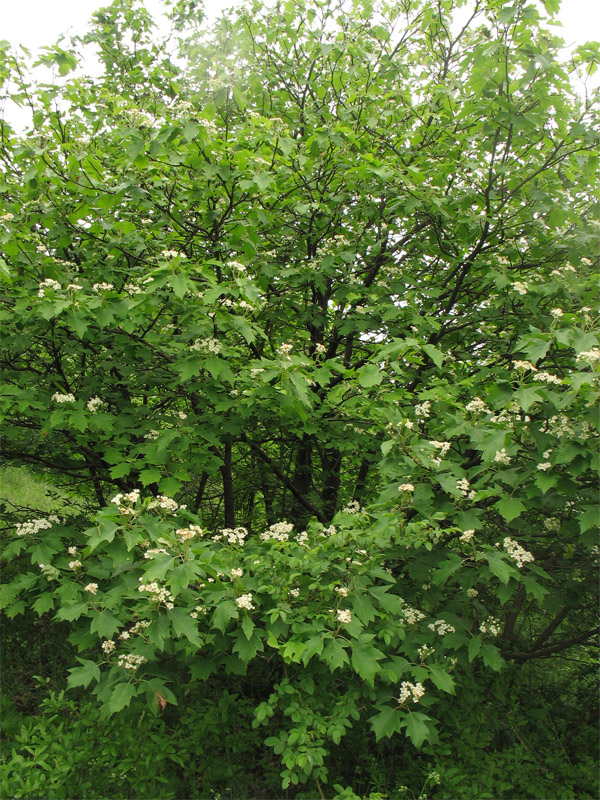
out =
column 305, row 305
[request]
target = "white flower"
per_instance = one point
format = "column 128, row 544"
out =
column 545, row 465
column 280, row 532
column 516, row 552
column 74, row 564
column 502, row 457
column 152, row 435
column 491, row 625
column 520, row 287
column 92, row 588
column 131, row 661
column 546, row 377
column 320, row 348
column 472, row 593
column 524, row 365
column 591, row 357
column 93, row 404
column 237, row 266
column 441, row 627
column 35, row 525
column 244, row 601
column 341, row 590
column 407, row 690
column 63, row 398
column 344, row 616
column 285, row 349
column 467, row 536
column 189, row 533
column 207, row 345
column 102, row 287
column 74, row 287
column 423, row 409
column 295, row 592
column 406, row 487
column 170, row 254
column 556, row 312
column 477, row 406
column 72, row 551
column 131, row 288
column 48, row 283
column 237, row 573
column 108, row 646
column 463, row 485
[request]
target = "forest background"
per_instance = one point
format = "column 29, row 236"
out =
column 300, row 375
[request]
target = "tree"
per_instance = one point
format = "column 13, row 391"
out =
column 324, row 257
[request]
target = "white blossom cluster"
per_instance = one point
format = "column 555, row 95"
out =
column 108, row 646
column 559, row 426
column 102, row 287
column 94, row 404
column 491, row 625
column 295, row 592
column 524, row 366
column 76, row 564
column 35, row 525
column 591, row 357
column 557, row 313
column 520, row 287
column 516, row 552
column 502, row 457
column 158, row 594
column 279, row 532
column 341, row 590
column 245, row 601
column 133, row 288
column 196, row 611
column 63, row 398
column 408, row 690
column 92, row 588
column 467, row 536
column 330, row 531
column 552, row 524
column 547, row 377
column 207, row 345
column 48, row 283
column 237, row 573
column 167, row 503
column 443, row 447
column 155, row 551
column 411, row 615
column 302, row 537
column 135, row 629
column 344, row 616
column 127, row 497
column 464, row 487
column 353, row 507
column 471, row 593
column 285, row 349
column 424, row 651
column 232, row 535
column 423, row 409
column 130, row 661
column 441, row 627
column 152, row 435
column 189, row 533
column 406, row 487
column 477, row 406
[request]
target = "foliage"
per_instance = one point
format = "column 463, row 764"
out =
column 329, row 265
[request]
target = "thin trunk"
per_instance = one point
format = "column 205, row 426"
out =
column 228, row 496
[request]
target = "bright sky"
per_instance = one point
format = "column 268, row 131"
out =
column 35, row 23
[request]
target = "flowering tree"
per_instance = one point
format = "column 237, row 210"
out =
column 307, row 311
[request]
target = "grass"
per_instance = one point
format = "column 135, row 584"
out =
column 22, row 489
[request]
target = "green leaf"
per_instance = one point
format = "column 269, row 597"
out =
column 442, row 679
column 491, row 657
column 148, row 476
column 335, row 654
column 43, row 603
column 370, row 375
column 387, row 722
column 247, row 626
column 499, row 566
column 121, row 696
column 71, row 613
column 184, row 625
column 434, row 354
column 104, row 624
column 224, row 612
column 509, row 508
column 474, row 646
column 446, row 569
column 417, row 729
column 364, row 661
column 84, row 675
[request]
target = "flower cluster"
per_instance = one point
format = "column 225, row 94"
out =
column 207, row 345
column 411, row 615
column 547, row 377
column 63, row 398
column 167, row 504
column 467, row 536
column 502, row 457
column 130, row 661
column 152, row 435
column 464, row 487
column 280, row 532
column 237, row 573
column 424, row 651
column 341, row 590
column 157, row 593
column 35, row 525
column 155, row 551
column 491, row 625
column 245, row 601
column 408, row 690
column 135, row 629
column 477, row 406
column 94, row 404
column 75, row 564
column 49, row 283
column 108, row 646
column 591, row 357
column 471, row 593
column 344, row 616
column 352, row 508
column 520, row 287
column 285, row 349
column 406, row 487
column 423, row 409
column 102, row 287
column 524, row 366
column 188, row 533
column 516, row 552
column 92, row 588
column 233, row 535
column 441, row 627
